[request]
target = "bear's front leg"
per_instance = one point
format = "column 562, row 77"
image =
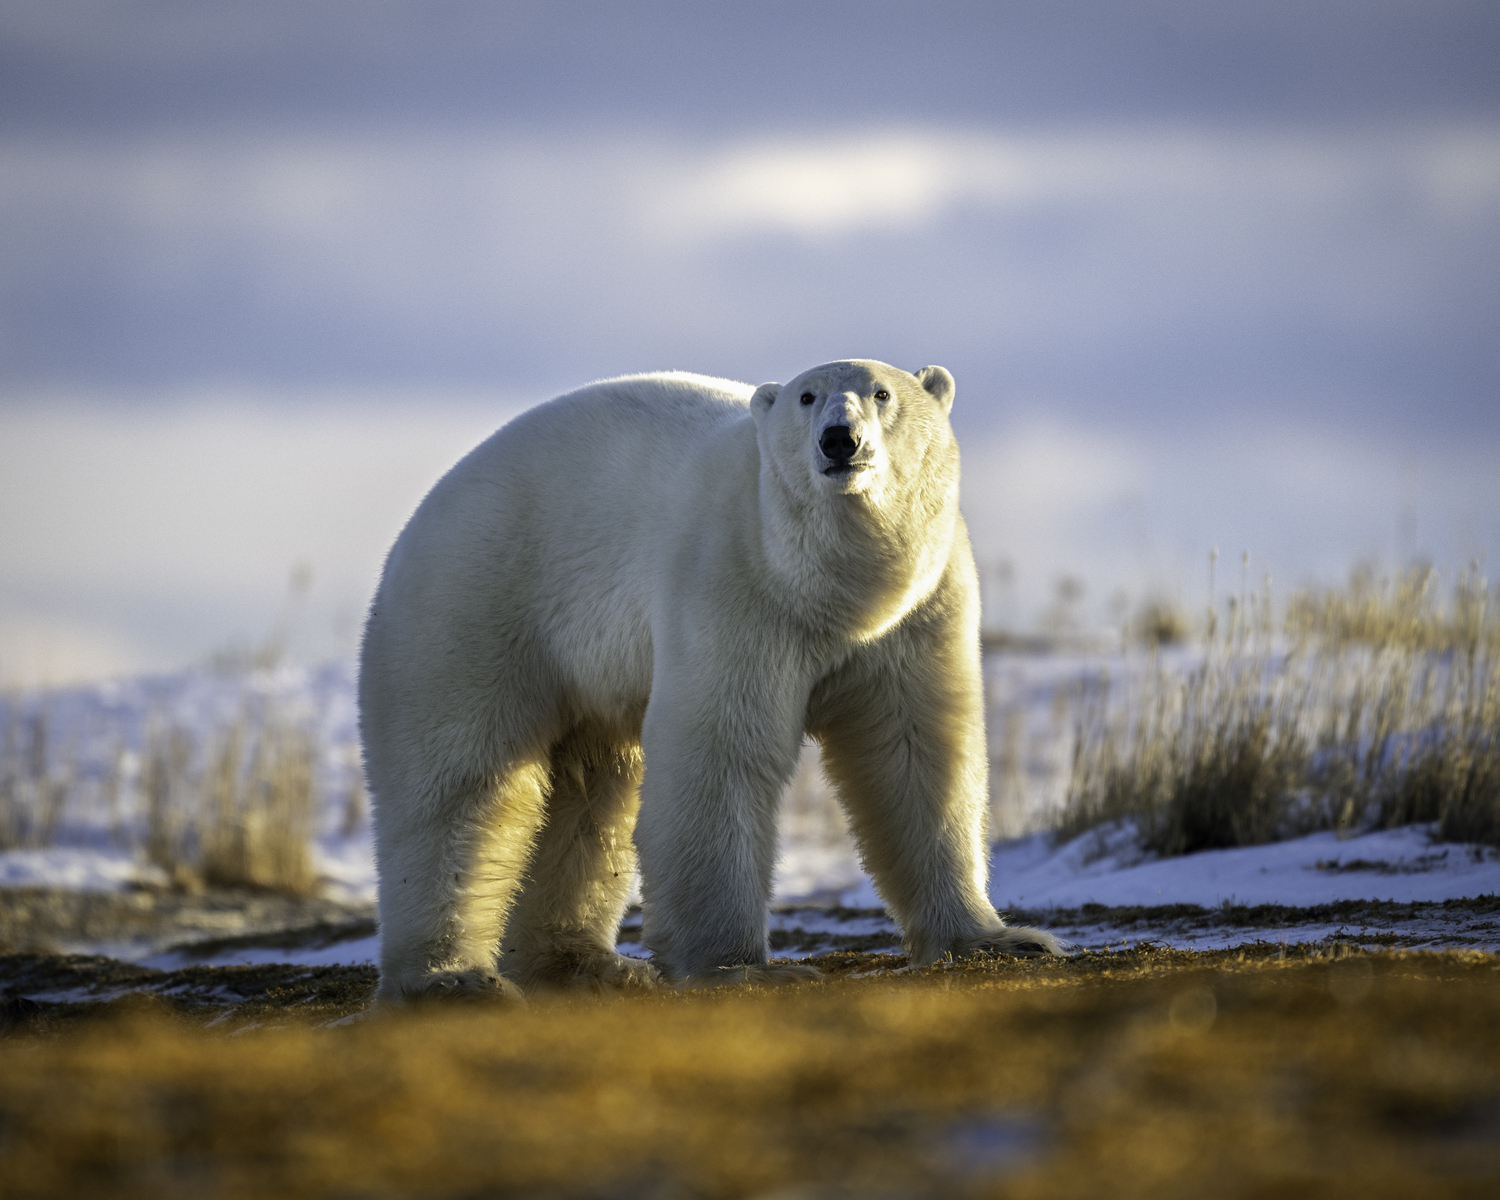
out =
column 902, row 730
column 719, row 747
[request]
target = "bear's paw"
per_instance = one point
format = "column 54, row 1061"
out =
column 622, row 971
column 605, row 971
column 571, row 958
column 472, row 986
column 756, row 975
column 1020, row 941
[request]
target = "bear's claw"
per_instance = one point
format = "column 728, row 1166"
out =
column 464, row 986
column 1019, row 940
column 601, row 971
column 571, row 960
column 761, row 974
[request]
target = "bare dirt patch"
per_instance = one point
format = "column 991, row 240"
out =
column 138, row 922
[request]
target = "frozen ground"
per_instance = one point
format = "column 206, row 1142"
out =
column 1391, row 887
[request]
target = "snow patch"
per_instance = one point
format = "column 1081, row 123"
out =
column 1107, row 869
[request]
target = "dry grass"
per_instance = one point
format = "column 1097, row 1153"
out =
column 1376, row 705
column 1159, row 622
column 167, row 790
column 33, row 789
column 1150, row 1073
column 244, row 818
column 259, row 810
column 238, row 812
column 1405, row 613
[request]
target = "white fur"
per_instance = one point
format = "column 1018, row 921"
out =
column 640, row 596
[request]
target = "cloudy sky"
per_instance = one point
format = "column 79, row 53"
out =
column 1207, row 275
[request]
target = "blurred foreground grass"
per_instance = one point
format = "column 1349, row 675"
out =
column 1271, row 1071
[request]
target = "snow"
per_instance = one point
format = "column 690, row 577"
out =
column 1105, row 868
column 811, row 872
column 355, row 952
column 77, row 869
column 1396, row 864
column 347, row 867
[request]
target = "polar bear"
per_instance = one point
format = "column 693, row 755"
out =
column 637, row 599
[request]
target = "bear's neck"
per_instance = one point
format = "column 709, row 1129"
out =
column 852, row 566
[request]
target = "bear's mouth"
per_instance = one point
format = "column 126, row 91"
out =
column 842, row 470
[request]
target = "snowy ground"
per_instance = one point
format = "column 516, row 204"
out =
column 1391, row 887
column 1386, row 888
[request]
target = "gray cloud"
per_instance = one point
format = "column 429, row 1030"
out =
column 93, row 63
column 1207, row 274
column 1112, row 267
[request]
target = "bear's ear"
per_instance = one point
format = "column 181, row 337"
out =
column 765, row 396
column 939, row 385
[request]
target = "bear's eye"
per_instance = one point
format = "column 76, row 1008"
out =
column 882, row 394
column 807, row 397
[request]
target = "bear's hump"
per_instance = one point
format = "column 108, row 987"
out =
column 661, row 384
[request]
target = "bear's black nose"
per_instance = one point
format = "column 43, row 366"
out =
column 838, row 443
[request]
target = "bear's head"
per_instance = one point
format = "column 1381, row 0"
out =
column 859, row 484
column 859, row 427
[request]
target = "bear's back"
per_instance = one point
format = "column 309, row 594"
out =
column 612, row 455
column 599, row 457
column 554, row 531
column 634, row 417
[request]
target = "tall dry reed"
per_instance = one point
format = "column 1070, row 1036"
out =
column 33, row 788
column 244, row 816
column 1375, row 706
column 166, row 793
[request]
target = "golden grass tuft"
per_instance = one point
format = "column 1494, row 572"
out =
column 1373, row 706
column 33, row 790
column 259, row 810
column 1404, row 613
column 1159, row 622
column 1142, row 1073
column 243, row 819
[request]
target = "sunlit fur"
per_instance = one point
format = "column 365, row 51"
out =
column 638, row 598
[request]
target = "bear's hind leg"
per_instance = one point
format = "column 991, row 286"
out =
column 562, row 930
column 446, row 886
